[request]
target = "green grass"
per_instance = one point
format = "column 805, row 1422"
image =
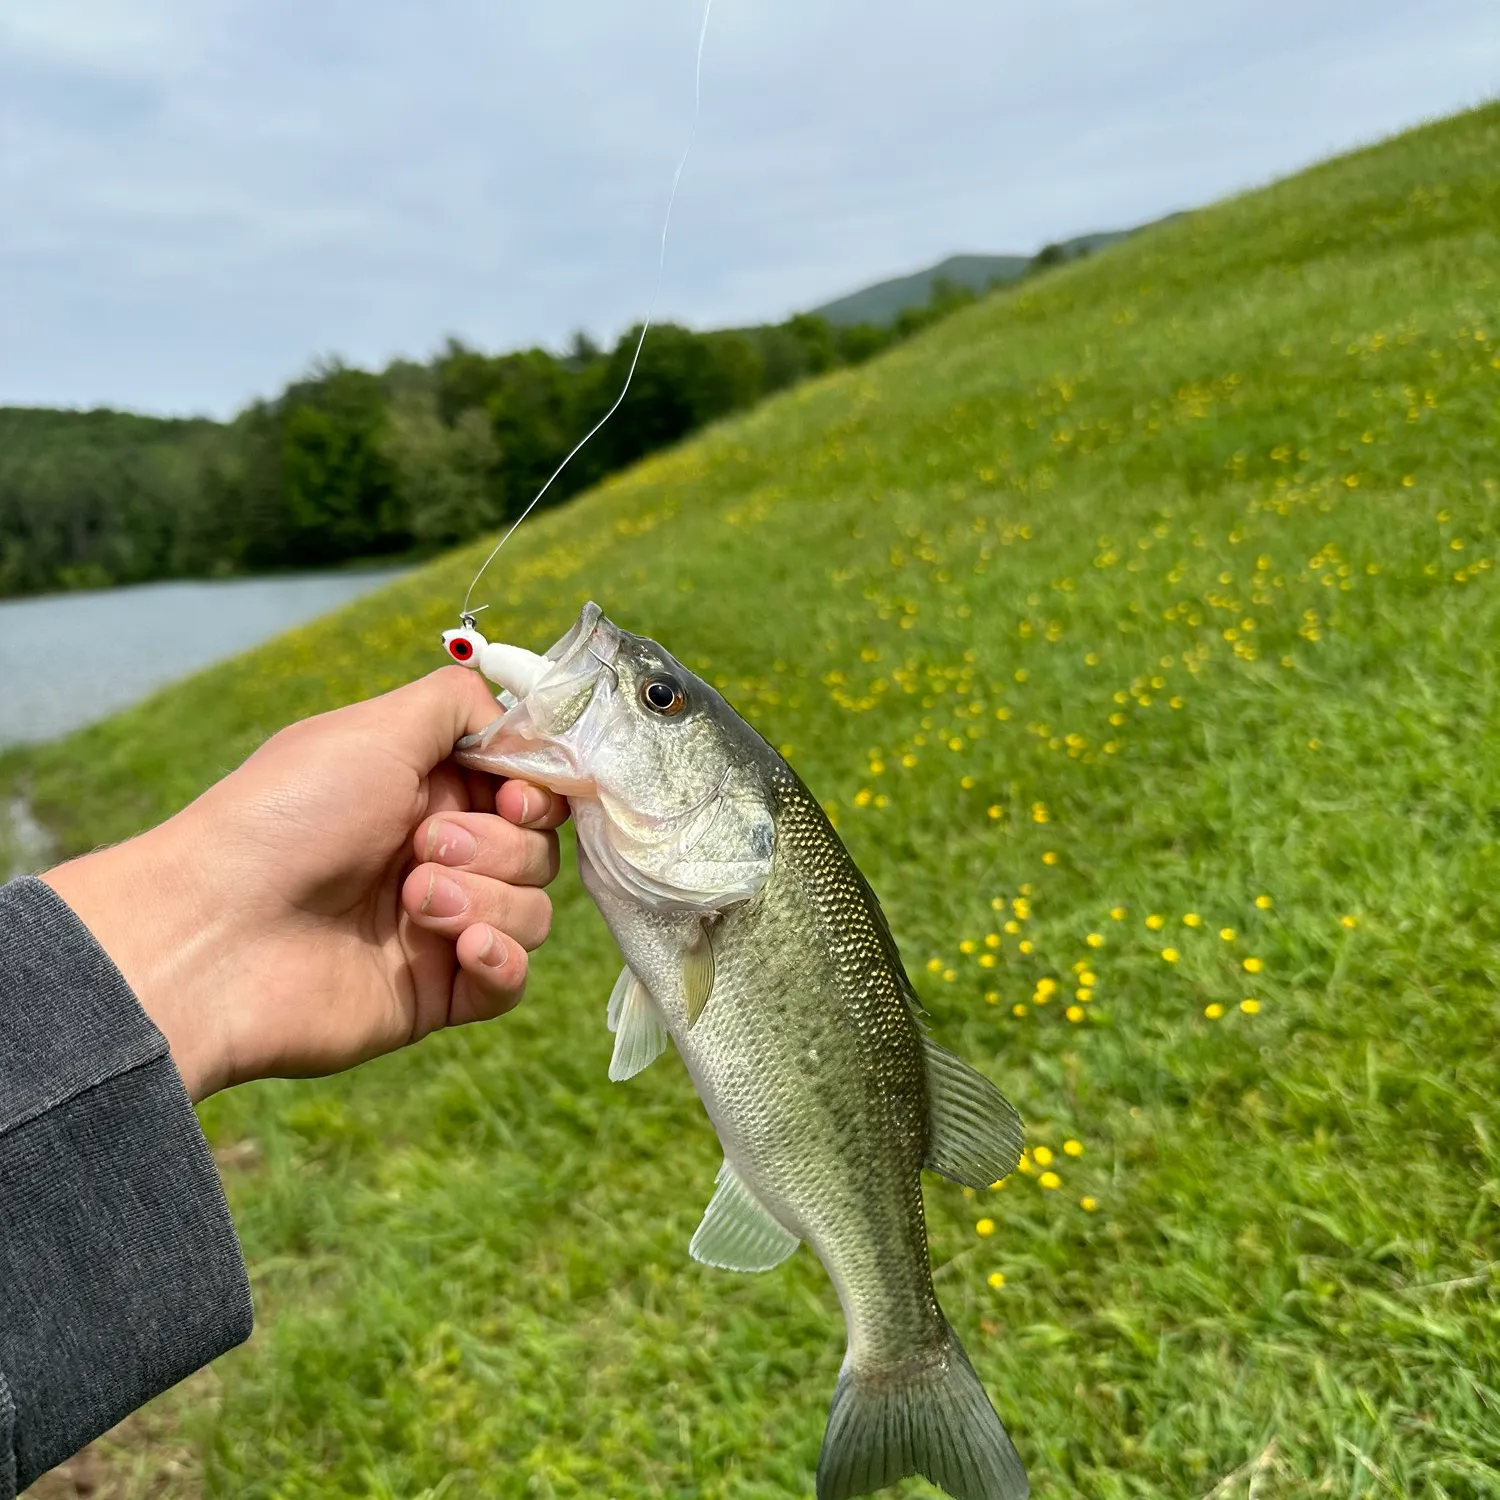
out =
column 1186, row 550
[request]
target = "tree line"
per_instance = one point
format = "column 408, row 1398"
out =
column 348, row 464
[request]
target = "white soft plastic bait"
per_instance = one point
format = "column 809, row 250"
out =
column 512, row 668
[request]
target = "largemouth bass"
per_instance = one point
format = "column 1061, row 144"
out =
column 753, row 942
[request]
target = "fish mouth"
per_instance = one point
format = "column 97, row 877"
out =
column 555, row 709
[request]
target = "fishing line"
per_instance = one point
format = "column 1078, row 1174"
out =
column 466, row 614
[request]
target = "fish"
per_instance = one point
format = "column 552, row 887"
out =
column 755, row 946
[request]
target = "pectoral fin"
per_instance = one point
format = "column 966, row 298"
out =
column 974, row 1134
column 697, row 975
column 640, row 1034
column 738, row 1232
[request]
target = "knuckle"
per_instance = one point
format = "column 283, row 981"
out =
column 541, row 858
column 534, row 919
column 504, row 846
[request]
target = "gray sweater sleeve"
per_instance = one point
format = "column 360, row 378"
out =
column 119, row 1268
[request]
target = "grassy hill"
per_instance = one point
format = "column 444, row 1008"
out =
column 1137, row 623
column 882, row 303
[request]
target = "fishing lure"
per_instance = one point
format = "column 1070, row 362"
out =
column 491, row 659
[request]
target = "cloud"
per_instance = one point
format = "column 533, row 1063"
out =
column 204, row 195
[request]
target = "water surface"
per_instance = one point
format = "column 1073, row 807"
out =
column 68, row 659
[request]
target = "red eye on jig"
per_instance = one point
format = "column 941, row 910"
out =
column 464, row 645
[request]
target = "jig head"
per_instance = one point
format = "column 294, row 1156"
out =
column 513, row 669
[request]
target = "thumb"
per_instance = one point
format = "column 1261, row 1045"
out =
column 423, row 720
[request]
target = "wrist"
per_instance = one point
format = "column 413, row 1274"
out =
column 145, row 905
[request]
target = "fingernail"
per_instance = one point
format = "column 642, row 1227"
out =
column 495, row 951
column 450, row 844
column 445, row 898
column 525, row 808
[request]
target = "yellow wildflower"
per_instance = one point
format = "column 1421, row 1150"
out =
column 984, row 1228
column 1227, row 933
column 934, row 966
column 1026, row 946
column 1349, row 921
column 1042, row 1155
column 1049, row 1180
column 1191, row 919
column 968, row 946
column 1018, row 1009
column 1073, row 1148
column 1263, row 902
column 1214, row 1011
column 996, row 1279
column 1170, row 955
column 1117, row 913
column 1089, row 1205
column 1156, row 922
column 1254, row 965
column 1095, row 940
column 1250, row 1007
column 992, row 940
column 1074, row 1013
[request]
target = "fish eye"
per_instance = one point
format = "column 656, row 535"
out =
column 662, row 695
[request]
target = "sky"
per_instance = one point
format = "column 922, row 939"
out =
column 201, row 198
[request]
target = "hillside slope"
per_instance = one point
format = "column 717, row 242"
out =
column 1137, row 625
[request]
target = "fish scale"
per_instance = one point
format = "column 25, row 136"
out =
column 832, row 1134
column 752, row 940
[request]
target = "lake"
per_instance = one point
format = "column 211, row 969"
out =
column 69, row 659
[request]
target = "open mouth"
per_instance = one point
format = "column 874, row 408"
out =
column 544, row 698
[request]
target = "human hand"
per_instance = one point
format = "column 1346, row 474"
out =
column 343, row 893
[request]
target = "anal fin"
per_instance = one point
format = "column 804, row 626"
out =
column 738, row 1232
column 640, row 1032
column 974, row 1135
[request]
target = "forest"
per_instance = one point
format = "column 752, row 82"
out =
column 346, row 464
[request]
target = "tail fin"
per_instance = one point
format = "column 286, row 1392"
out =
column 930, row 1418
